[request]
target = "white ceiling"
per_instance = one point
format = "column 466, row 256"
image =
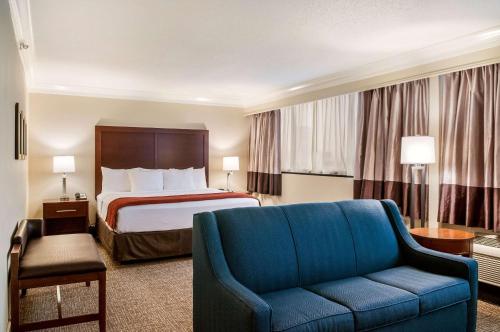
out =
column 237, row 52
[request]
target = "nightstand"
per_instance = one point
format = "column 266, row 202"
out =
column 64, row 217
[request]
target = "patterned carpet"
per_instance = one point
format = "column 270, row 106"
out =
column 152, row 296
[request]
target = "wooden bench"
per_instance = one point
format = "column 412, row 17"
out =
column 41, row 261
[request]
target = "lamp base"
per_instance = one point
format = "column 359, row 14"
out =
column 228, row 187
column 64, row 196
column 418, row 170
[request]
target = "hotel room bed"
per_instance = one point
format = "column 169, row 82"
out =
column 164, row 217
column 153, row 230
column 156, row 230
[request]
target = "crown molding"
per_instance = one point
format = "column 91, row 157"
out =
column 471, row 43
column 124, row 94
column 20, row 13
column 481, row 40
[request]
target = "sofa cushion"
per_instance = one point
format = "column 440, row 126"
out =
column 434, row 291
column 373, row 304
column 258, row 247
column 59, row 255
column 449, row 319
column 375, row 242
column 297, row 309
column 323, row 242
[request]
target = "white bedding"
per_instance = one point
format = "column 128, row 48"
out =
column 163, row 217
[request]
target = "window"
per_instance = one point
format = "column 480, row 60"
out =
column 320, row 137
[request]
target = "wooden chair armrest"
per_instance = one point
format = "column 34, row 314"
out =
column 16, row 249
column 15, row 255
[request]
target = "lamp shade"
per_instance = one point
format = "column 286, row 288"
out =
column 417, row 150
column 63, row 164
column 231, row 164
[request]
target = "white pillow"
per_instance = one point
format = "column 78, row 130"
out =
column 142, row 180
column 114, row 180
column 199, row 179
column 178, row 179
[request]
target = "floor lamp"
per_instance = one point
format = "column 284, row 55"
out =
column 418, row 151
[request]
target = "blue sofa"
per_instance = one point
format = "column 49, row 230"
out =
column 344, row 266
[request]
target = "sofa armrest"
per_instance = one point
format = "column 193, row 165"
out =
column 220, row 302
column 430, row 260
column 435, row 261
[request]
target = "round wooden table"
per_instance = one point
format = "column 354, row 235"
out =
column 448, row 240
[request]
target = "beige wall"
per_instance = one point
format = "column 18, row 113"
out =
column 65, row 125
column 312, row 188
column 298, row 188
column 13, row 173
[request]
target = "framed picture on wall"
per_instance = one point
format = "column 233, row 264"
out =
column 25, row 137
column 20, row 132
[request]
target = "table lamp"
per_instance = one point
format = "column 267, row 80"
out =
column 63, row 165
column 230, row 164
column 418, row 151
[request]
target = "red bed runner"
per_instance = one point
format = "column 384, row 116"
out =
column 118, row 203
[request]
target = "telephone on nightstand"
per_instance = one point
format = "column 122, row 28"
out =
column 80, row 196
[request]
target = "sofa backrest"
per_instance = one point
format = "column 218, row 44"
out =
column 375, row 241
column 323, row 242
column 258, row 247
column 279, row 247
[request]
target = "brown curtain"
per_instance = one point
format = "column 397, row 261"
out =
column 385, row 116
column 470, row 148
column 264, row 169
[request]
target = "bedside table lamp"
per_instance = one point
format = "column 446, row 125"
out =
column 64, row 165
column 418, row 151
column 230, row 164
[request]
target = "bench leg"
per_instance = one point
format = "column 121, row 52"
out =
column 24, row 292
column 59, row 301
column 87, row 283
column 14, row 305
column 102, row 301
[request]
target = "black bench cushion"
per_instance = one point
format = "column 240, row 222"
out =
column 58, row 255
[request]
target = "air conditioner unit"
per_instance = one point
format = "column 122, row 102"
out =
column 487, row 253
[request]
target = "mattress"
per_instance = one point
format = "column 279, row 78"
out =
column 164, row 217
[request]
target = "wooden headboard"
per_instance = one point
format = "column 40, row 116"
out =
column 129, row 147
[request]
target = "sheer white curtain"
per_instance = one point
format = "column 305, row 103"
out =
column 320, row 137
column 297, row 137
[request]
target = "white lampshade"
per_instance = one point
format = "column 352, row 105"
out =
column 417, row 150
column 231, row 163
column 63, row 164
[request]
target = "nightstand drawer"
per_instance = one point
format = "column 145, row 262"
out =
column 65, row 226
column 65, row 209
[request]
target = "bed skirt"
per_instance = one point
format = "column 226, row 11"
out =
column 127, row 247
